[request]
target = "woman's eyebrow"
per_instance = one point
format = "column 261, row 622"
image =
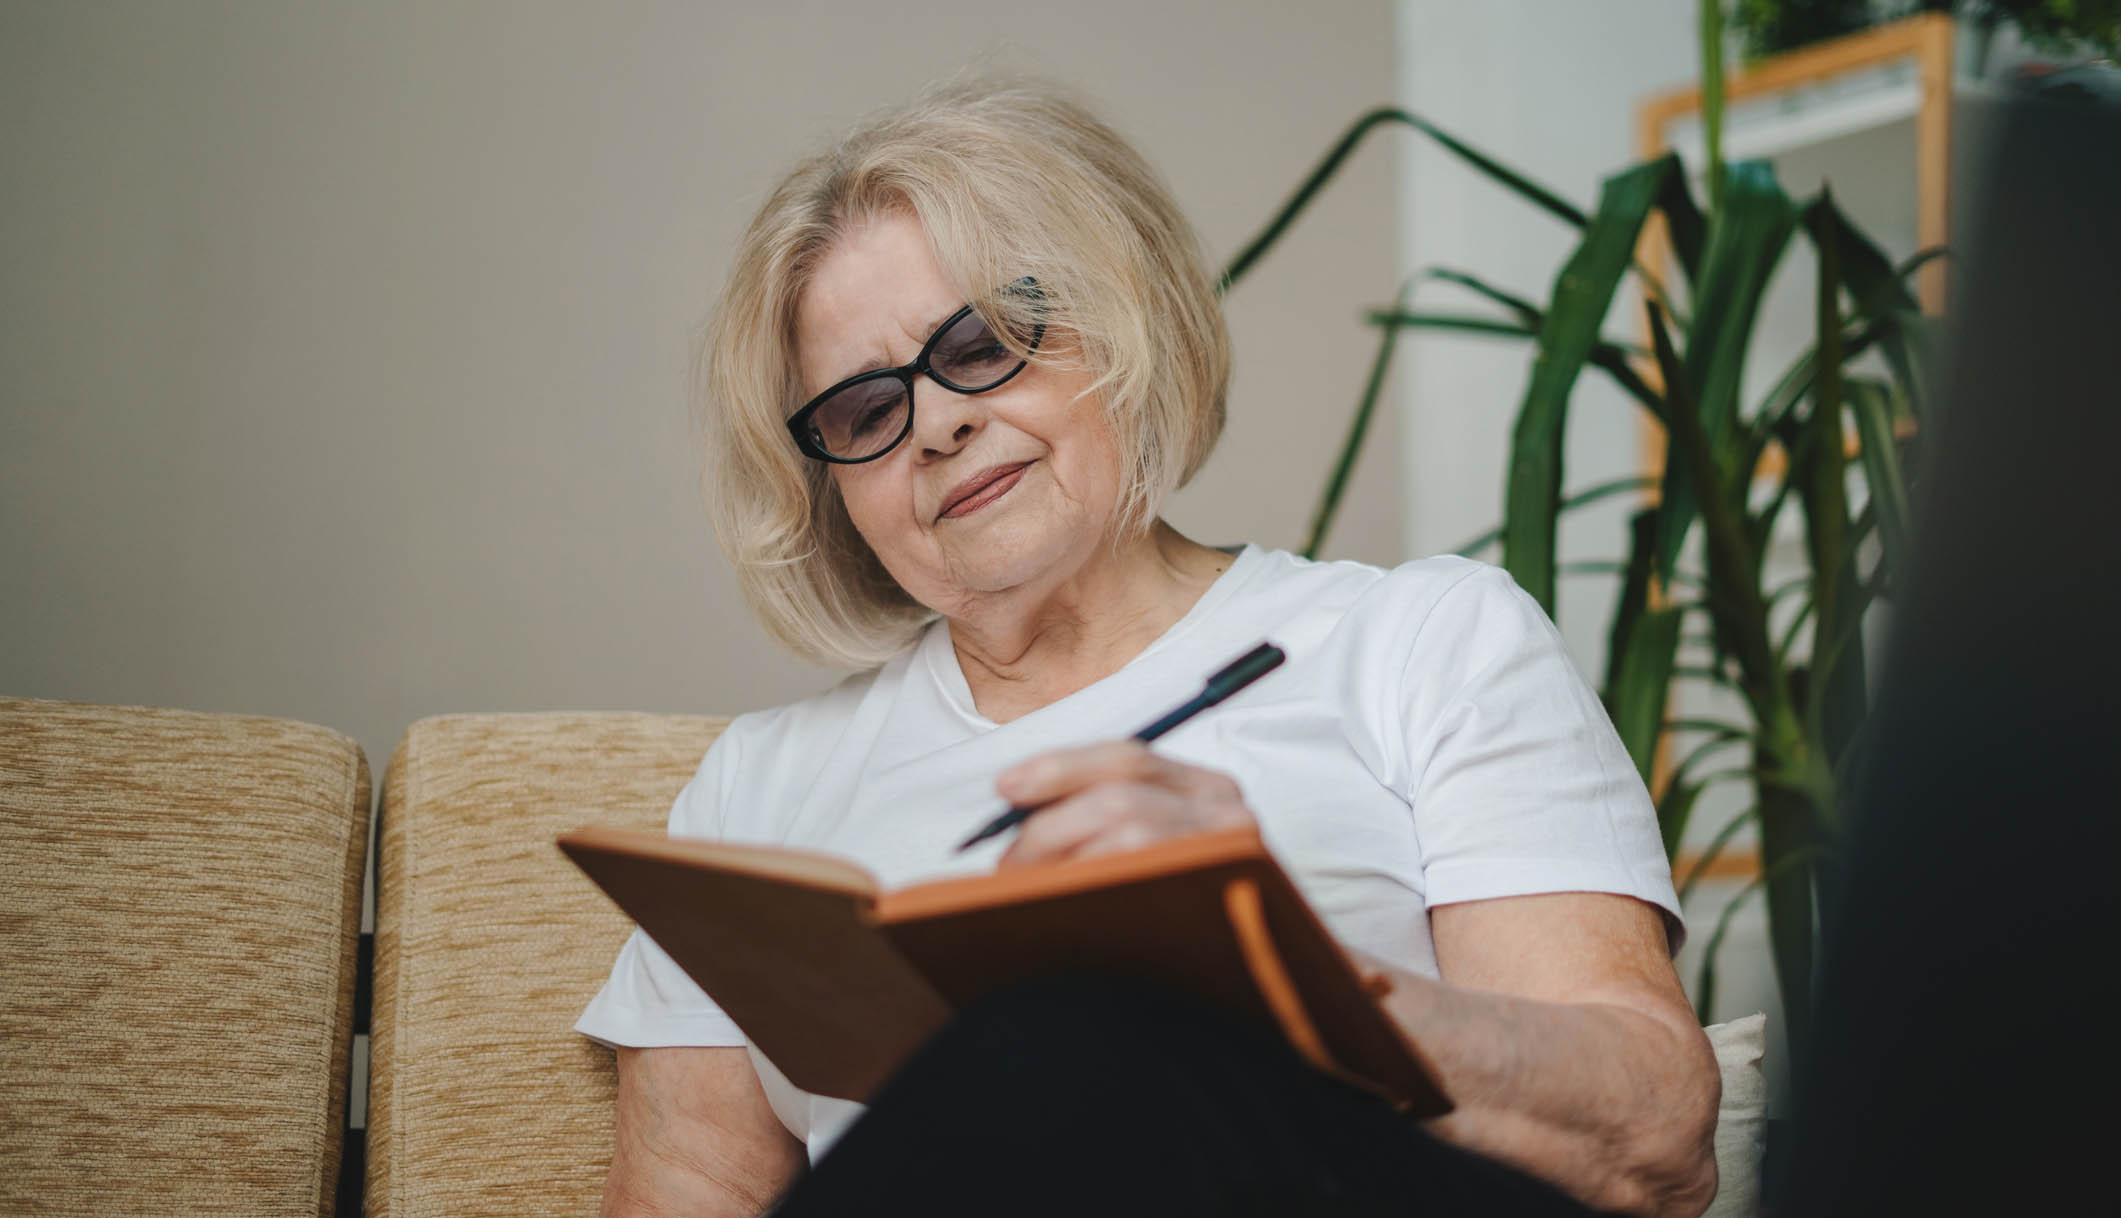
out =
column 880, row 361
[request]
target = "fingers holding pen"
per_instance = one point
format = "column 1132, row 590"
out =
column 1100, row 820
column 1114, row 796
column 1063, row 772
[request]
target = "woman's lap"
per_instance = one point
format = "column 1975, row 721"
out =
column 1091, row 1094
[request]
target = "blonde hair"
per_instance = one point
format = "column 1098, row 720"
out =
column 1008, row 178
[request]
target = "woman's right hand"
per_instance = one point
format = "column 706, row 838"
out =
column 696, row 1136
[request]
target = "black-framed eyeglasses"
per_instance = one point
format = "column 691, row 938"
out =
column 866, row 416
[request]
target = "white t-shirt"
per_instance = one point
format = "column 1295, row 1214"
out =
column 1427, row 741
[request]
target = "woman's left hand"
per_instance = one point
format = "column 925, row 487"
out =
column 1105, row 798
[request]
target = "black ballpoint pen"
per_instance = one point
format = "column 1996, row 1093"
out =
column 1246, row 669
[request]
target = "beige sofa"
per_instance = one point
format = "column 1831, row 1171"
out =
column 190, row 922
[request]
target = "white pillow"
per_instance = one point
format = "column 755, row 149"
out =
column 1741, row 1121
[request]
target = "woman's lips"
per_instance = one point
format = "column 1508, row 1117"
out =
column 982, row 489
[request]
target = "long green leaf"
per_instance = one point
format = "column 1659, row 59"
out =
column 1705, row 980
column 1675, row 806
column 1255, row 249
column 1674, row 809
column 1835, row 700
column 1878, row 290
column 1528, row 313
column 1582, row 294
column 1829, row 647
column 1843, row 646
column 1899, row 327
column 1589, row 495
column 1707, row 749
column 1465, row 322
column 1634, row 598
column 1611, row 357
column 1917, row 260
column 1713, row 851
column 1704, row 672
column 1760, row 527
column 1525, row 310
column 1791, row 631
column 1791, row 390
column 1893, row 319
column 1711, row 47
column 1788, row 837
column 1747, row 236
column 1735, row 604
column 1873, row 407
column 1684, row 223
column 1791, row 587
column 1796, row 1010
column 1358, row 427
column 1715, row 727
column 1614, row 363
column 1616, row 566
column 1642, row 685
column 1822, row 469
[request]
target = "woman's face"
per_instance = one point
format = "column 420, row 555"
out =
column 1013, row 489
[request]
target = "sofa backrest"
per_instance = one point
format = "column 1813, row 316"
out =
column 482, row 1099
column 180, row 900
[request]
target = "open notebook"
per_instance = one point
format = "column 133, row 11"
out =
column 837, row 981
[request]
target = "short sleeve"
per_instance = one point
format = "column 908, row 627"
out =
column 1520, row 785
column 648, row 1001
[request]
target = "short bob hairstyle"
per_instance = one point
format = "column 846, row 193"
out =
column 1008, row 178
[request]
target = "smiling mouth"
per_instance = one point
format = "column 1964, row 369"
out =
column 982, row 489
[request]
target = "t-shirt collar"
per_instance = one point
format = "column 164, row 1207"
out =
column 940, row 658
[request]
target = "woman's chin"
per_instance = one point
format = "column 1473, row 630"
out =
column 1006, row 556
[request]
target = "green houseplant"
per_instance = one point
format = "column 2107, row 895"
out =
column 1793, row 654
column 2058, row 27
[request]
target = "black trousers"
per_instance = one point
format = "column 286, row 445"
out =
column 1092, row 1095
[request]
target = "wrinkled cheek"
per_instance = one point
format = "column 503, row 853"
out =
column 883, row 516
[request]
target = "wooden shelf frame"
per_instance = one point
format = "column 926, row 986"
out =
column 1926, row 38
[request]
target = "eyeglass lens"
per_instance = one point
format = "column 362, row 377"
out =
column 870, row 416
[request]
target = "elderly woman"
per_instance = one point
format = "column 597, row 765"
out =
column 960, row 363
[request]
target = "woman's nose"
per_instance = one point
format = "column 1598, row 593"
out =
column 944, row 421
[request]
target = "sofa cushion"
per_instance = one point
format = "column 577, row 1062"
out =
column 177, row 932
column 483, row 1099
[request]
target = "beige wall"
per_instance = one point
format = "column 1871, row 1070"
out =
column 343, row 348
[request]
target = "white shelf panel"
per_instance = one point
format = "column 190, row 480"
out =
column 1764, row 128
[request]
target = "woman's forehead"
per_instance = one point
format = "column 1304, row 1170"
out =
column 871, row 303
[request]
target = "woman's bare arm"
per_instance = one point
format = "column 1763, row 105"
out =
column 696, row 1137
column 1563, row 1036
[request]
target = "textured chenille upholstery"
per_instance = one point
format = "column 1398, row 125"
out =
column 179, row 907
column 483, row 1100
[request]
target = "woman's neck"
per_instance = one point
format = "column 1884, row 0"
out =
column 1020, row 654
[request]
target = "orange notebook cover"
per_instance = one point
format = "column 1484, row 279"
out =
column 838, row 981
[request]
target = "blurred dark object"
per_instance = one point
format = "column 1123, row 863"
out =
column 1963, row 1060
